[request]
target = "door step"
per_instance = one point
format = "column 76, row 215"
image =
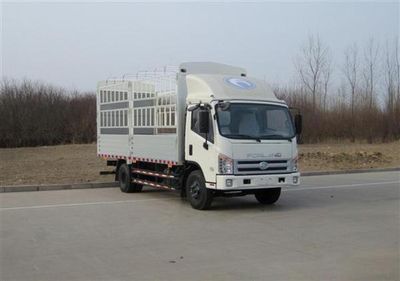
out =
column 153, row 184
column 151, row 173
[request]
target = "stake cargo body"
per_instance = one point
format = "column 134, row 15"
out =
column 137, row 119
column 205, row 129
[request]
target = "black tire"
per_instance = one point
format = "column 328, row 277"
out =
column 125, row 180
column 268, row 196
column 198, row 195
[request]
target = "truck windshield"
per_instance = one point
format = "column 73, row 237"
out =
column 254, row 121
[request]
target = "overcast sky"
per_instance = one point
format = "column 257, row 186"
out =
column 76, row 44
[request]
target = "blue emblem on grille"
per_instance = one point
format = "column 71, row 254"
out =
column 263, row 165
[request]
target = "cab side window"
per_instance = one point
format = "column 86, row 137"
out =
column 195, row 125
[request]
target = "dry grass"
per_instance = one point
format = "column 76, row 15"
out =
column 343, row 156
column 76, row 163
column 79, row 163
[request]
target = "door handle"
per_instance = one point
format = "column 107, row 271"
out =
column 190, row 149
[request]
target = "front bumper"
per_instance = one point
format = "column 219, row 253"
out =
column 244, row 182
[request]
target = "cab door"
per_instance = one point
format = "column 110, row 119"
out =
column 200, row 151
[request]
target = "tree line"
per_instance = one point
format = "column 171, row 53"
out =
column 355, row 99
column 34, row 114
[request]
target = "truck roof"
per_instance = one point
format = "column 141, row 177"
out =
column 211, row 68
column 205, row 81
column 208, row 87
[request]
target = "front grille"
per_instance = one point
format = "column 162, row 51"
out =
column 253, row 166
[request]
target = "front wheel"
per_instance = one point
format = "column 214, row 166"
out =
column 268, row 196
column 198, row 195
column 125, row 180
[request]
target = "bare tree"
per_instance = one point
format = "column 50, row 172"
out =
column 326, row 76
column 392, row 86
column 397, row 82
column 351, row 73
column 371, row 53
column 397, row 67
column 310, row 66
column 389, row 75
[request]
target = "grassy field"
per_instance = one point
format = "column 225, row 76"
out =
column 79, row 163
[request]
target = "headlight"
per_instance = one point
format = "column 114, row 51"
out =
column 294, row 164
column 225, row 164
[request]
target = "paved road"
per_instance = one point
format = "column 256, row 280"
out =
column 341, row 227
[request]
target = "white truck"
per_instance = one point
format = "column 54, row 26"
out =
column 205, row 129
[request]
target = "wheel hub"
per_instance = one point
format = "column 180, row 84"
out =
column 195, row 190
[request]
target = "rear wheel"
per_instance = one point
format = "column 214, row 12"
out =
column 268, row 196
column 125, row 180
column 198, row 195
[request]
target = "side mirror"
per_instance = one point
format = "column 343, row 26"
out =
column 204, row 121
column 298, row 123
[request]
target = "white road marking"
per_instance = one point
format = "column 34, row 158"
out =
column 344, row 185
column 162, row 199
column 82, row 204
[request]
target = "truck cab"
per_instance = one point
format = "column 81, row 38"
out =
column 238, row 133
column 228, row 135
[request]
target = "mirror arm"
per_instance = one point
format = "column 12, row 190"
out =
column 205, row 144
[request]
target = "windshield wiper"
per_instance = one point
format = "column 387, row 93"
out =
column 274, row 136
column 245, row 136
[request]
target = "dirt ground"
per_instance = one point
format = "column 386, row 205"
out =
column 344, row 156
column 79, row 163
column 76, row 163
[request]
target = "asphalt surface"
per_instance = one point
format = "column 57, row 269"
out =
column 336, row 227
